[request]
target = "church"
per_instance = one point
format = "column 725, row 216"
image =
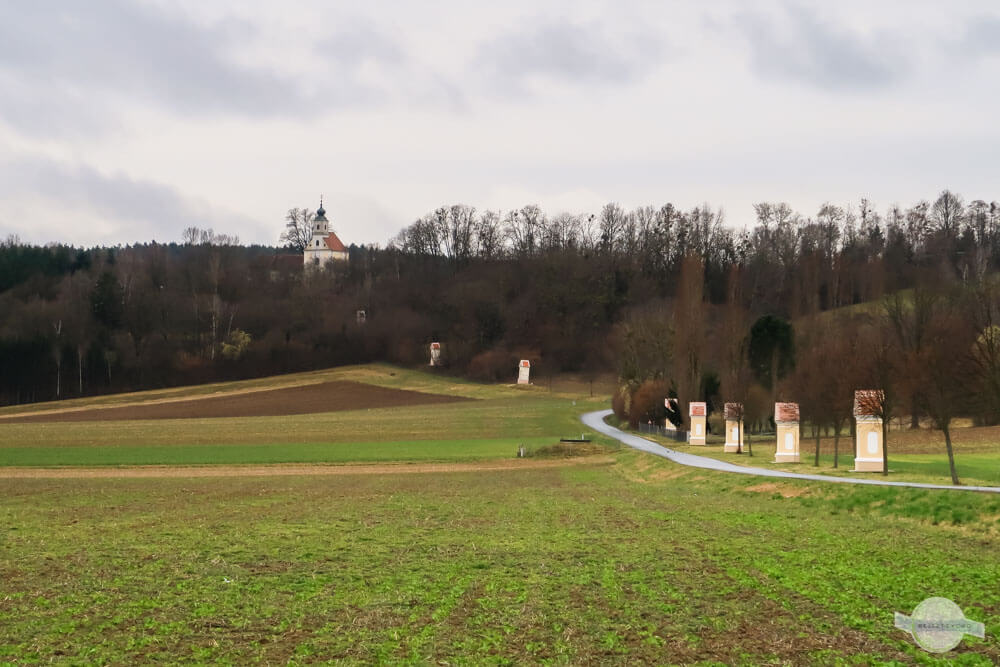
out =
column 324, row 246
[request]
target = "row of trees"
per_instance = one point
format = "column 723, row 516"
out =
column 931, row 351
column 565, row 291
column 839, row 256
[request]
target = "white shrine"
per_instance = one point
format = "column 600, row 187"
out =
column 786, row 420
column 698, row 412
column 524, row 372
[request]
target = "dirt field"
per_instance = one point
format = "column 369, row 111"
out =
column 279, row 470
column 308, row 399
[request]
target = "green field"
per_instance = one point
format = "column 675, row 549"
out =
column 480, row 429
column 974, row 469
column 636, row 560
column 357, row 452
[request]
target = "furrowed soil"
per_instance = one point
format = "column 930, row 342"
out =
column 308, row 399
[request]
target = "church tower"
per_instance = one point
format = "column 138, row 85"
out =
column 321, row 226
column 324, row 246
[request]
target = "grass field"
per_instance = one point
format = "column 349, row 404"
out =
column 973, row 469
column 483, row 428
column 914, row 456
column 354, row 452
column 638, row 561
column 629, row 560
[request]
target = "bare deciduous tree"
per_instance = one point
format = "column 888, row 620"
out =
column 881, row 366
column 942, row 372
column 689, row 332
column 298, row 229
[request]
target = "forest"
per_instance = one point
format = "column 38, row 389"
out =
column 674, row 301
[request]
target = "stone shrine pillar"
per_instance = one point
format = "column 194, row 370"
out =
column 523, row 372
column 697, row 412
column 869, row 453
column 734, row 428
column 786, row 417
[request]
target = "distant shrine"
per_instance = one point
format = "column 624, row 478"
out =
column 324, row 246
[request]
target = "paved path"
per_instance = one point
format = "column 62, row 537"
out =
column 595, row 420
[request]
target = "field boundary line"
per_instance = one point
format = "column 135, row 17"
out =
column 285, row 470
column 595, row 420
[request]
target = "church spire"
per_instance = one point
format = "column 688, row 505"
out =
column 321, row 212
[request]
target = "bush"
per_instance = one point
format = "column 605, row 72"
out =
column 648, row 403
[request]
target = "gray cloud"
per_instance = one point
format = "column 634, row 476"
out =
column 567, row 52
column 807, row 49
column 135, row 210
column 70, row 65
column 136, row 50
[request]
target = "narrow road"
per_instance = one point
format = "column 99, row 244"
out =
column 595, row 420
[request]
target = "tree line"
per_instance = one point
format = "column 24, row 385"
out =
column 573, row 293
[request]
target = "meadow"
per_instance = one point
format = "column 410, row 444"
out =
column 626, row 559
column 483, row 428
column 914, row 456
column 635, row 561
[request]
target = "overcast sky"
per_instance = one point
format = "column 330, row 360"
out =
column 126, row 121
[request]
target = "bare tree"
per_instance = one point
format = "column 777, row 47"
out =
column 613, row 221
column 909, row 317
column 489, row 236
column 524, row 229
column 808, row 381
column 881, row 365
column 983, row 311
column 298, row 229
column 947, row 213
column 645, row 345
column 942, row 373
column 840, row 377
column 734, row 340
column 689, row 328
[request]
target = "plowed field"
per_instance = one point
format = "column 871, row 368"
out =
column 307, row 399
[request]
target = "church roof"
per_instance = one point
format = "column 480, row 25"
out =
column 334, row 244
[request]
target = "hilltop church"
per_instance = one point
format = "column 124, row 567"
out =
column 324, row 246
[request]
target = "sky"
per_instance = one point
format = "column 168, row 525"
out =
column 129, row 121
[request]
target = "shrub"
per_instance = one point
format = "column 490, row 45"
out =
column 647, row 403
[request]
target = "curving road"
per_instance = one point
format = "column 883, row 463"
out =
column 595, row 420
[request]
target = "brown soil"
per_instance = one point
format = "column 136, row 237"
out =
column 279, row 470
column 785, row 490
column 306, row 399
